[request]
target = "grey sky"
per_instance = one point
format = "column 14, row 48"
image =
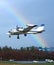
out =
column 36, row 11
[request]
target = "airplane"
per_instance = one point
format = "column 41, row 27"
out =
column 28, row 30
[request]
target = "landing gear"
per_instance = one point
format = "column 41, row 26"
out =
column 9, row 36
column 17, row 36
column 25, row 34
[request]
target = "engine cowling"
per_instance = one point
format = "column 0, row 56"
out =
column 20, row 29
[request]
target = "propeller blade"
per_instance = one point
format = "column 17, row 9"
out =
column 17, row 27
column 7, row 33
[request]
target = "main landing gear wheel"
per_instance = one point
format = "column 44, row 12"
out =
column 25, row 34
column 17, row 36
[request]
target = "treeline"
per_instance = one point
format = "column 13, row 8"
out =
column 24, row 54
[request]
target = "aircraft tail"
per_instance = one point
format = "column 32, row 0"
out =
column 41, row 28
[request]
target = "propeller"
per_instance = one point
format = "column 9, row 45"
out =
column 17, row 27
column 7, row 33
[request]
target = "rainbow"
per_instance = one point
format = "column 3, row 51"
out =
column 41, row 40
column 23, row 21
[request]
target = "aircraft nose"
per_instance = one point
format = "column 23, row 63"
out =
column 7, row 33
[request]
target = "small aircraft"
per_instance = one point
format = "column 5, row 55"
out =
column 28, row 30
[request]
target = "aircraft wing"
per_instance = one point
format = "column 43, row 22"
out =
column 29, row 28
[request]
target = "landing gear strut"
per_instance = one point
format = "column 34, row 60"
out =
column 17, row 36
column 25, row 34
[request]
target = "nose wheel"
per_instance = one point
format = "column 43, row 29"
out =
column 9, row 36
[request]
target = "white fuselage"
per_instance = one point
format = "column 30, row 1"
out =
column 32, row 31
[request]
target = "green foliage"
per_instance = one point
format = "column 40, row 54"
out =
column 28, row 53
